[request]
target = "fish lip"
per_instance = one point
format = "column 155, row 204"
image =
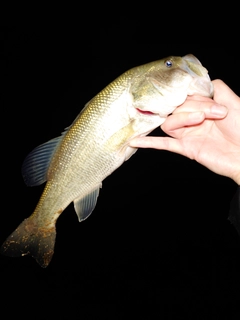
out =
column 193, row 66
column 191, row 58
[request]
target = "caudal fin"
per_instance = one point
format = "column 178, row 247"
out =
column 28, row 238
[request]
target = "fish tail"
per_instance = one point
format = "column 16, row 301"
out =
column 31, row 239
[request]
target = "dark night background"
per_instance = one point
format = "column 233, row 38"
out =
column 159, row 233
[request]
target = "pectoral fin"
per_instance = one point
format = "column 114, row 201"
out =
column 36, row 164
column 84, row 206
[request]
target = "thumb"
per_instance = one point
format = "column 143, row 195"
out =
column 224, row 95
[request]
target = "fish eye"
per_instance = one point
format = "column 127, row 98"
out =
column 168, row 63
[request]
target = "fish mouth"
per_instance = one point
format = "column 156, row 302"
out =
column 194, row 67
column 200, row 84
column 145, row 112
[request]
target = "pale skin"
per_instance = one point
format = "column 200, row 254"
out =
column 206, row 130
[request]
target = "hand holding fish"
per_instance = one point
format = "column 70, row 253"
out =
column 206, row 130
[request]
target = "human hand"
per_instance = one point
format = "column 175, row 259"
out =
column 206, row 130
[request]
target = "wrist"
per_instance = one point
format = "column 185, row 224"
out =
column 237, row 179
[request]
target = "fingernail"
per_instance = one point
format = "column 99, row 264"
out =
column 218, row 110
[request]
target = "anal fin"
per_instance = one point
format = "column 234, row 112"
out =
column 84, row 206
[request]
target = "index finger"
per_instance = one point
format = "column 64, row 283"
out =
column 203, row 104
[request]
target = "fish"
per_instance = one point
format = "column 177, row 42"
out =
column 74, row 164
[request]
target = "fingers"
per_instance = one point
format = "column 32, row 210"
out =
column 172, row 126
column 192, row 112
column 211, row 109
column 160, row 143
column 182, row 120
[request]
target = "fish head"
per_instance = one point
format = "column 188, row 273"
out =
column 163, row 85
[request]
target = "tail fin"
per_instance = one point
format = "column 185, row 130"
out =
column 28, row 238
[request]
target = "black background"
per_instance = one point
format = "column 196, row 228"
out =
column 159, row 233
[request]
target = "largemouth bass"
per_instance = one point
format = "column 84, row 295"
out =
column 97, row 143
